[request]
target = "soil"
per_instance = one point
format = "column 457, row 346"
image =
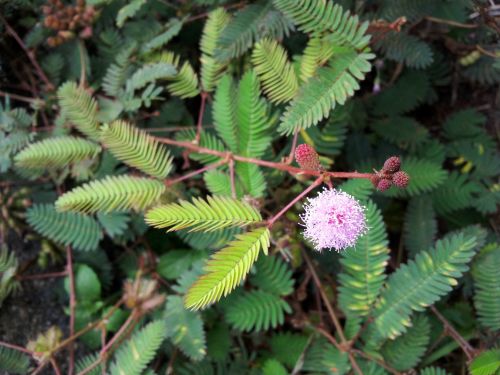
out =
column 35, row 308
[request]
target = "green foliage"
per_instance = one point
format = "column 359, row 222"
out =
column 136, row 148
column 273, row 276
column 323, row 357
column 87, row 361
column 257, row 310
column 487, row 363
column 114, row 224
column 249, row 25
column 113, row 193
column 275, row 72
column 406, row 49
column 185, row 83
column 172, row 29
column 405, row 351
column 404, row 132
column 332, row 85
column 486, row 281
column 422, row 281
column 185, row 328
column 273, row 367
column 420, row 226
column 316, row 54
column 454, row 194
column 65, row 228
column 433, row 371
column 133, row 357
column 316, row 18
column 227, row 268
column 8, row 271
column 150, row 73
column 211, row 68
column 79, row 108
column 13, row 361
column 363, row 267
column 210, row 215
column 288, row 347
column 56, row 152
column 129, row 11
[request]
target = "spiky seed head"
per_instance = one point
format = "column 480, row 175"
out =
column 401, row 179
column 392, row 164
column 307, row 157
column 384, row 184
column 333, row 220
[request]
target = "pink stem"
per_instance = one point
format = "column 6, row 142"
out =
column 289, row 160
column 43, row 276
column 196, row 172
column 231, row 175
column 263, row 163
column 204, row 96
column 16, row 347
column 273, row 219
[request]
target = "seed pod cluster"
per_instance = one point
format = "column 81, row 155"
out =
column 390, row 175
column 68, row 20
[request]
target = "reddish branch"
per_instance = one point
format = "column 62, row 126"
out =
column 72, row 306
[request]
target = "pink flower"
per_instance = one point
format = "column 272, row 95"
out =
column 333, row 219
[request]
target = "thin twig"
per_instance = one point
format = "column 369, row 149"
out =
column 290, row 157
column 72, row 307
column 205, row 14
column 196, row 172
column 42, row 276
column 452, row 23
column 329, row 307
column 22, row 98
column 469, row 351
column 204, row 96
column 30, row 55
column 57, row 370
column 16, row 347
column 231, row 178
column 273, row 219
column 381, row 363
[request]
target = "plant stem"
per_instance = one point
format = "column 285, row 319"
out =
column 231, row 178
column 469, row 351
column 16, row 347
column 264, row 163
column 72, row 306
column 196, row 172
column 204, row 96
column 22, row 98
column 273, row 219
column 42, row 276
column 381, row 363
column 329, row 307
column 30, row 55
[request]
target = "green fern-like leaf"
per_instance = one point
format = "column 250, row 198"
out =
column 332, row 85
column 405, row 132
column 56, row 152
column 136, row 148
column 13, row 361
column 316, row 54
column 486, row 282
column 67, row 228
column 227, row 268
column 314, row 17
column 129, row 11
column 423, row 281
column 249, row 25
column 185, row 83
column 114, row 224
column 252, row 117
column 273, row 276
column 288, row 347
column 224, row 112
column 134, row 355
column 211, row 68
column 88, row 361
column 80, row 109
column 433, row 371
column 252, row 179
column 275, row 72
column 487, row 363
column 273, row 367
column 185, row 328
column 171, row 29
column 455, row 193
column 208, row 215
column 364, row 266
column 150, row 73
column 405, row 351
column 420, row 226
column 257, row 311
column 219, row 183
column 322, row 357
column 113, row 193
column 424, row 176
column 359, row 188
column 118, row 72
column 405, row 48
column 208, row 241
